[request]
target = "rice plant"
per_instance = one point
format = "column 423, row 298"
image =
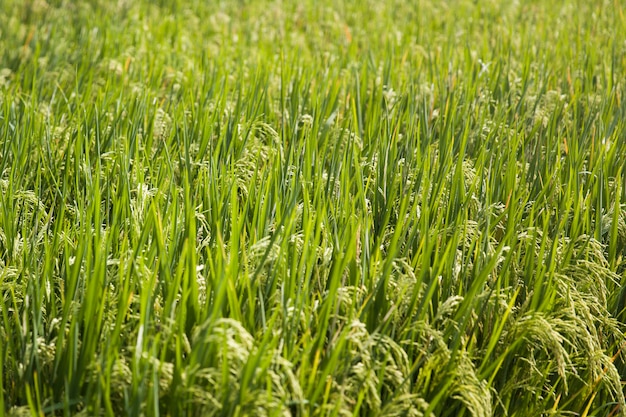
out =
column 312, row 208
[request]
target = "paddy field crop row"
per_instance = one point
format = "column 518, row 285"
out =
column 314, row 208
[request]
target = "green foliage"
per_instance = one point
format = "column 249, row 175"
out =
column 312, row 208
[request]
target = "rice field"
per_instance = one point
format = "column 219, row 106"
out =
column 313, row 208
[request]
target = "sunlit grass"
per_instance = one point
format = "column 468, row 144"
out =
column 312, row 208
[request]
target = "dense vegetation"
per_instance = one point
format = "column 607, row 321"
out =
column 313, row 208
